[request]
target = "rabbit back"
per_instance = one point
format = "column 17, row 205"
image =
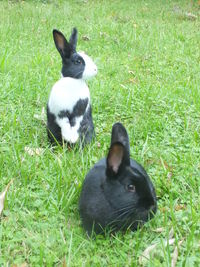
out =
column 90, row 199
column 69, row 101
column 66, row 93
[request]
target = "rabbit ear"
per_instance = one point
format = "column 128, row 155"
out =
column 62, row 45
column 73, row 39
column 119, row 152
column 120, row 135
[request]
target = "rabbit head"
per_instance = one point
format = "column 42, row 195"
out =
column 74, row 64
column 117, row 192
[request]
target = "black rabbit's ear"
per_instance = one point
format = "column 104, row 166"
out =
column 62, row 45
column 73, row 39
column 120, row 135
column 119, row 152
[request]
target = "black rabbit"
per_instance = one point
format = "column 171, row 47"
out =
column 69, row 116
column 117, row 192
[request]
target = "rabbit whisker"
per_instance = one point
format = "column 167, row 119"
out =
column 126, row 212
column 123, row 208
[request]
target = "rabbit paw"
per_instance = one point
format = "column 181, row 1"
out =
column 70, row 135
column 74, row 137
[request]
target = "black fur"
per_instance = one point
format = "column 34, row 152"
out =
column 78, row 110
column 106, row 201
column 53, row 130
column 73, row 69
column 73, row 64
column 86, row 130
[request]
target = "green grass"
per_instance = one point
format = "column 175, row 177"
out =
column 148, row 57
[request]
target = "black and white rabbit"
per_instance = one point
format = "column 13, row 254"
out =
column 117, row 192
column 69, row 115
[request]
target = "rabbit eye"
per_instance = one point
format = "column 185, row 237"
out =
column 78, row 61
column 131, row 188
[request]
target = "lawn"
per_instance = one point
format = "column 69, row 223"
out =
column 148, row 59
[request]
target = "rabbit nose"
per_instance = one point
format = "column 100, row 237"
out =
column 148, row 203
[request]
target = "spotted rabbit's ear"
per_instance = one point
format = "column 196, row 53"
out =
column 119, row 152
column 73, row 39
column 63, row 46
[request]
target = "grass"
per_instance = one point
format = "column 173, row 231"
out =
column 148, row 57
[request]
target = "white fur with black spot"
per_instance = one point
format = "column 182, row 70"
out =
column 64, row 96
